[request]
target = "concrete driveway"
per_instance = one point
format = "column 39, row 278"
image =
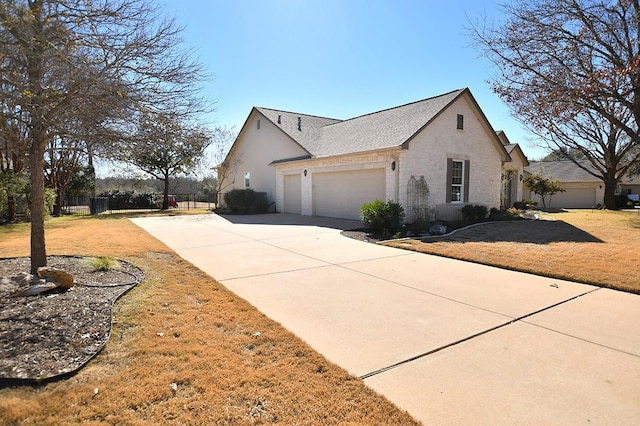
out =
column 451, row 342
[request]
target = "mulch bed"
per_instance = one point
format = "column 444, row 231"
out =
column 54, row 334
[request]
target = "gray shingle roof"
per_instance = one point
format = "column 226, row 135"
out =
column 384, row 129
column 564, row 171
column 515, row 147
column 323, row 137
column 310, row 125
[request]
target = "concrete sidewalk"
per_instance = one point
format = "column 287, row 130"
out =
column 449, row 341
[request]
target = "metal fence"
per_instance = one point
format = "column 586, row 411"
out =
column 86, row 206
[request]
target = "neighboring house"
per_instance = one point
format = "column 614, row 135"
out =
column 512, row 172
column 432, row 156
column 582, row 189
column 630, row 186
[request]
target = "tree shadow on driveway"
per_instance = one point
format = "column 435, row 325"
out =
column 521, row 231
column 292, row 219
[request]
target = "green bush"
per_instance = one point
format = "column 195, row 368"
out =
column 382, row 217
column 472, row 213
column 246, row 201
column 122, row 199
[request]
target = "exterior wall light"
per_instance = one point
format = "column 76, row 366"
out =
column 305, row 172
column 393, row 165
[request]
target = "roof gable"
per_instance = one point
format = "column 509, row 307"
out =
column 515, row 148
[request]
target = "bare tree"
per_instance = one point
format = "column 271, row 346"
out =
column 164, row 147
column 570, row 71
column 79, row 57
column 64, row 158
column 225, row 169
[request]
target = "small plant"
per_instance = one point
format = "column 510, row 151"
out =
column 514, row 212
column 382, row 217
column 543, row 186
column 104, row 263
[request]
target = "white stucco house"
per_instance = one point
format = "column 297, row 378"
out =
column 432, row 155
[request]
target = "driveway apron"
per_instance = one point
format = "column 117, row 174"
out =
column 451, row 342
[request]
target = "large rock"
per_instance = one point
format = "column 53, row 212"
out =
column 438, row 230
column 38, row 288
column 64, row 279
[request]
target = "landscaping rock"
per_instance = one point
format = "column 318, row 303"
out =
column 438, row 230
column 38, row 288
column 64, row 279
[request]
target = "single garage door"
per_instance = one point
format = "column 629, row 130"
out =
column 340, row 194
column 574, row 198
column 292, row 200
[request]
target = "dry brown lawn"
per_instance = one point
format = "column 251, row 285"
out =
column 181, row 327
column 594, row 247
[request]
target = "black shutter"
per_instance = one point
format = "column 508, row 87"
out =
column 447, row 190
column 466, row 181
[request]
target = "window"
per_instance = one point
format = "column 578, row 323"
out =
column 258, row 124
column 457, row 175
column 457, row 189
column 247, row 180
column 460, row 122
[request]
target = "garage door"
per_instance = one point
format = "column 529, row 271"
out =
column 340, row 194
column 574, row 198
column 292, row 200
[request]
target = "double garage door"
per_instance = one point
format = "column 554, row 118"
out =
column 574, row 198
column 341, row 194
column 336, row 194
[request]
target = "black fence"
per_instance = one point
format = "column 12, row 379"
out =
column 86, row 205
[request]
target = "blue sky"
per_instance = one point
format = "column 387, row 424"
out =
column 339, row 59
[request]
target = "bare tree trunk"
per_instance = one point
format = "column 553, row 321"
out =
column 11, row 206
column 610, row 195
column 165, row 195
column 36, row 169
column 92, row 170
column 57, row 207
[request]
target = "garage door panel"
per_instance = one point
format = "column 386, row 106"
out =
column 292, row 194
column 340, row 194
column 574, row 198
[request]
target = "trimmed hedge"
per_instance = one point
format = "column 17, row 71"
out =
column 246, row 201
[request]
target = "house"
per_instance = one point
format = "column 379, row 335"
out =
column 582, row 189
column 432, row 156
column 512, row 172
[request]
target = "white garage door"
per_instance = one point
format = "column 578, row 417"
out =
column 292, row 200
column 574, row 198
column 340, row 194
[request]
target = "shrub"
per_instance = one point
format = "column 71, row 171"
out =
column 382, row 217
column 122, row 199
column 246, row 201
column 472, row 213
